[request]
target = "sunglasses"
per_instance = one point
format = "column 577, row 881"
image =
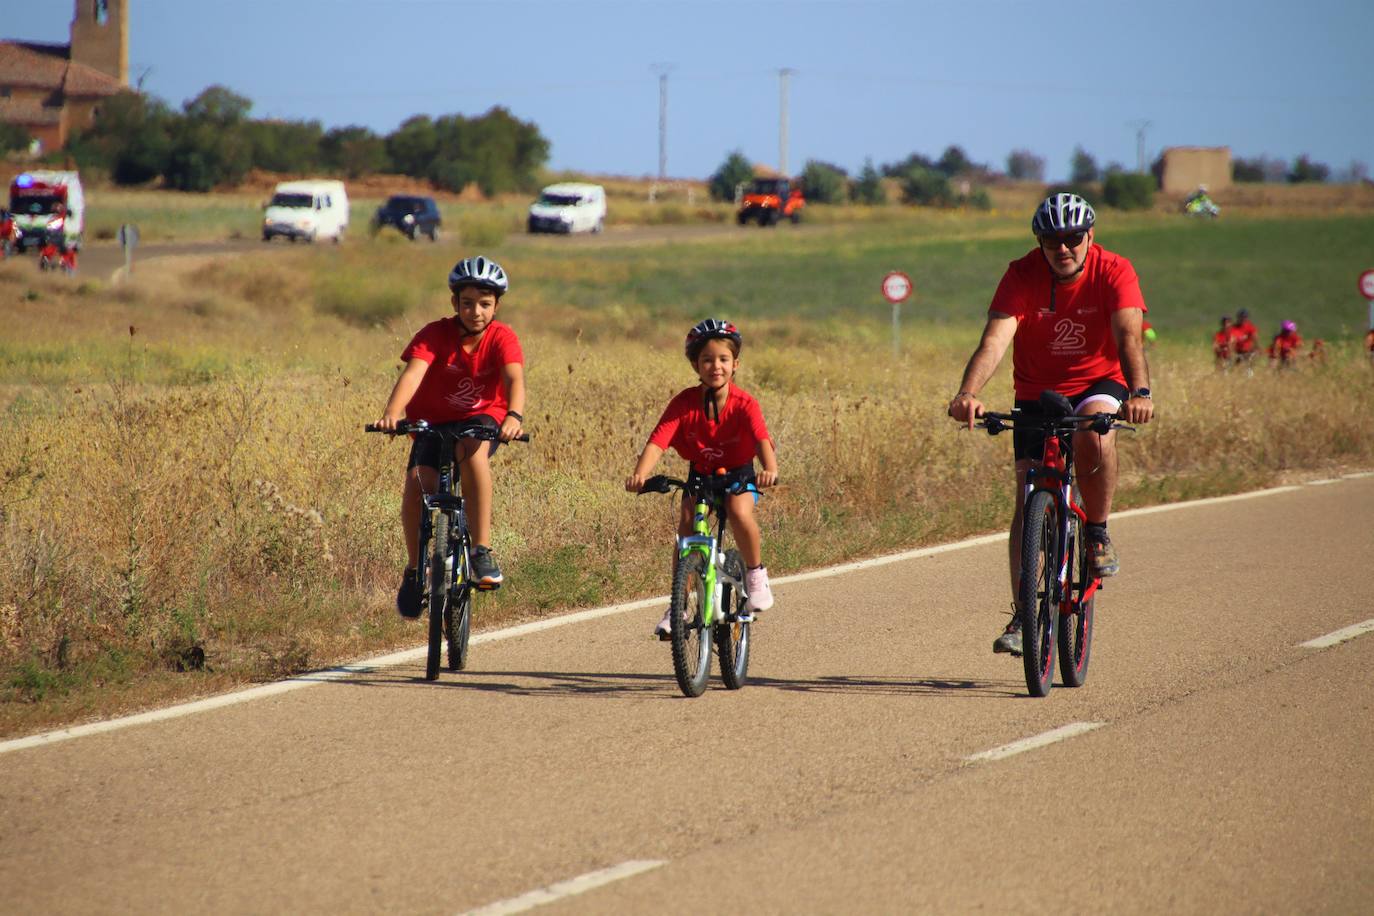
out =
column 1054, row 241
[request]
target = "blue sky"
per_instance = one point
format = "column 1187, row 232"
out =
column 873, row 79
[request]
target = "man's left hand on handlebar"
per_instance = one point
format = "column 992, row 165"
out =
column 1137, row 410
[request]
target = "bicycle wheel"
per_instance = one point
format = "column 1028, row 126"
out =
column 458, row 614
column 732, row 635
column 1039, row 612
column 691, row 642
column 440, row 577
column 1076, row 627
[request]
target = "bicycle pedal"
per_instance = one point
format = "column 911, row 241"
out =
column 488, row 586
column 742, row 618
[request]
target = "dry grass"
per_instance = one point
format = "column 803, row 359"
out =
column 193, row 504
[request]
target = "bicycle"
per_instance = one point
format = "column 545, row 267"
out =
column 444, row 580
column 709, row 601
column 1056, row 593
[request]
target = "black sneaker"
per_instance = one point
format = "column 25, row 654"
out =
column 1010, row 640
column 1102, row 556
column 485, row 572
column 408, row 598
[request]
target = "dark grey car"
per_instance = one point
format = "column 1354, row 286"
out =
column 413, row 216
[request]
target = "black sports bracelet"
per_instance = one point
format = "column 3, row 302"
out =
column 511, row 413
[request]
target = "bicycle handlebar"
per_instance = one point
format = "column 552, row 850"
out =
column 661, row 483
column 423, row 427
column 1100, row 423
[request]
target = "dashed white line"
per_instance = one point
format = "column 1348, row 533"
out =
column 1339, row 636
column 573, row 886
column 1029, row 744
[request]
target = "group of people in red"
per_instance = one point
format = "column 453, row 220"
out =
column 1235, row 344
column 55, row 252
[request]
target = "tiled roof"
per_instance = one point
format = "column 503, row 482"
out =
column 29, row 113
column 39, row 66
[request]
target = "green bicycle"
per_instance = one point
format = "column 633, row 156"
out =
column 709, row 601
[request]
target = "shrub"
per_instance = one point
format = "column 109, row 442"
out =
column 926, row 186
column 868, row 189
column 1129, row 191
column 823, row 184
column 1025, row 166
column 735, row 170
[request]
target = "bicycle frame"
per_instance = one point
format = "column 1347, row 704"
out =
column 1053, row 473
column 703, row 541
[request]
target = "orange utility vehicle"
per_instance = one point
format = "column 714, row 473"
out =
column 771, row 199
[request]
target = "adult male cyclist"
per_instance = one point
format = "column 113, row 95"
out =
column 1072, row 312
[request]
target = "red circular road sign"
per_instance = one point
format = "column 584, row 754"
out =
column 896, row 286
column 1367, row 284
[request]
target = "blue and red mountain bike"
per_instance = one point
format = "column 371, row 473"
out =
column 1056, row 591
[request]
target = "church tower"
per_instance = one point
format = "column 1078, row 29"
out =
column 100, row 37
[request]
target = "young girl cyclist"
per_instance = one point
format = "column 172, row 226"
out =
column 715, row 425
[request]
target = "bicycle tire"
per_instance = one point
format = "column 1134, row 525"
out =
column 691, row 642
column 1076, row 627
column 439, row 579
column 732, row 635
column 1039, row 611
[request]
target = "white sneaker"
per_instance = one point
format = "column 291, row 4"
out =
column 756, row 583
column 664, row 630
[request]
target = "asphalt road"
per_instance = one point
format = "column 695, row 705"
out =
column 1211, row 763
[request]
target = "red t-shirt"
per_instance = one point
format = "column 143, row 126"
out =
column 1070, row 346
column 459, row 384
column 730, row 442
column 1246, row 335
column 1284, row 344
column 1221, row 340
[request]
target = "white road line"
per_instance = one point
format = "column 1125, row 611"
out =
column 1323, row 482
column 409, row 655
column 1031, row 743
column 1340, row 636
column 573, row 886
column 1357, row 475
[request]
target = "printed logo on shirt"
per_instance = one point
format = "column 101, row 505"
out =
column 1069, row 337
column 465, row 395
column 712, row 454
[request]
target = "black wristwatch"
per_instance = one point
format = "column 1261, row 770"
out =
column 1141, row 393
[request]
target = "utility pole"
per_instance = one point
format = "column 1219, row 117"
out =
column 783, row 75
column 1140, row 128
column 662, row 70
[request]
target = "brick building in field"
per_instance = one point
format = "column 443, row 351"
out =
column 51, row 90
column 1186, row 167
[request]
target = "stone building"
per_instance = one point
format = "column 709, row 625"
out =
column 51, row 90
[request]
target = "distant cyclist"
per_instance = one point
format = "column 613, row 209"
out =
column 1072, row 313
column 1283, row 350
column 1247, row 338
column 1222, row 342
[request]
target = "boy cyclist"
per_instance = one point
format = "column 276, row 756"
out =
column 467, row 368
column 716, row 425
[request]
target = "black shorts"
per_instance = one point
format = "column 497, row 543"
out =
column 424, row 451
column 1030, row 443
column 743, row 475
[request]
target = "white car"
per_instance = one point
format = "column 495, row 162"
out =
column 307, row 210
column 569, row 207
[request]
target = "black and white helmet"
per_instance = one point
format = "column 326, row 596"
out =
column 1063, row 212
column 481, row 272
column 711, row 329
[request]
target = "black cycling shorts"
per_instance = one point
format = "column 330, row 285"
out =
column 424, row 451
column 1030, row 443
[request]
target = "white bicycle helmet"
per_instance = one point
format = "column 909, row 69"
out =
column 481, row 272
column 1063, row 213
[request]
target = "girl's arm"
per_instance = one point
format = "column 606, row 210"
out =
column 404, row 390
column 768, row 457
column 513, row 376
column 647, row 459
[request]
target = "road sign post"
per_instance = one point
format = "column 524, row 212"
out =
column 1367, row 290
column 128, row 238
column 896, row 287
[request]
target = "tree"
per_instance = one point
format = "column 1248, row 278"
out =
column 1024, row 165
column 1305, row 170
column 927, row 186
column 1128, row 190
column 1082, row 167
column 954, row 161
column 354, row 151
column 131, row 137
column 12, row 137
column 823, row 183
column 899, row 169
column 412, row 146
column 218, row 105
column 735, row 170
column 868, row 189
column 284, row 146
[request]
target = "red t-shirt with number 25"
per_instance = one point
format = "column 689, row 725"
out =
column 1064, row 338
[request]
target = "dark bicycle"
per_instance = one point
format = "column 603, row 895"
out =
column 709, row 602
column 1056, row 592
column 445, row 578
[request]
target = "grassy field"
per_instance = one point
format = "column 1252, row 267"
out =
column 185, row 476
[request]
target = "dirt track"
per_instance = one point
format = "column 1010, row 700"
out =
column 1229, row 769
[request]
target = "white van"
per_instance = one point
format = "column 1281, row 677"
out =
column 48, row 204
column 307, row 210
column 569, row 207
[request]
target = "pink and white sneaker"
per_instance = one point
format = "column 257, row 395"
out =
column 756, row 583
